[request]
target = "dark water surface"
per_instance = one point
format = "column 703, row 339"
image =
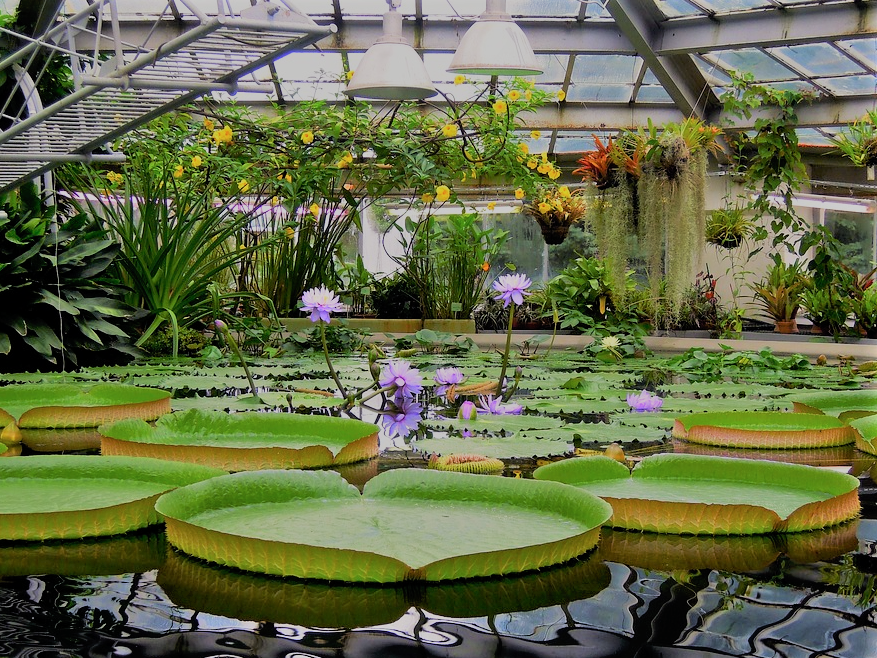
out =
column 806, row 594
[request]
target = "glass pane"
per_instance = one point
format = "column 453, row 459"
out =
column 753, row 61
column 818, row 59
column 553, row 67
column 606, row 93
column 612, row 69
column 653, row 94
column 856, row 232
column 310, row 66
column 864, row 49
column 727, row 6
column 812, row 137
column 374, row 7
column 548, row 8
column 850, row 85
column 673, row 8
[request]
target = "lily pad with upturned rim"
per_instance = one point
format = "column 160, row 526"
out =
column 244, row 441
column 846, row 405
column 691, row 494
column 71, row 406
column 866, row 433
column 763, row 429
column 75, row 496
column 408, row 524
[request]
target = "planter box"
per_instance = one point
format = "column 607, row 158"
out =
column 451, row 326
column 374, row 325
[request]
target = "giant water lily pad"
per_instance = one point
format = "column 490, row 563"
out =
column 75, row 496
column 244, row 441
column 71, row 405
column 866, row 434
column 690, row 494
column 846, row 405
column 216, row 590
column 763, row 429
column 407, row 525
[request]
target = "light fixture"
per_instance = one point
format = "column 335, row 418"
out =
column 391, row 69
column 839, row 204
column 495, row 45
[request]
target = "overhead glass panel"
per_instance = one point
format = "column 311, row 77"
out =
column 728, row 6
column 851, row 85
column 374, row 7
column 553, row 67
column 539, row 8
column 605, row 69
column 817, row 59
column 812, row 137
column 752, row 60
column 310, row 66
column 653, row 94
column 864, row 50
column 606, row 93
column 674, row 8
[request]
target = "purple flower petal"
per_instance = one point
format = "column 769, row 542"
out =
column 512, row 288
column 319, row 302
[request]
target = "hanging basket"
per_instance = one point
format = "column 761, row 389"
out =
column 554, row 234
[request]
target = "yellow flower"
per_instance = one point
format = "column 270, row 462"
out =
column 289, row 232
column 514, row 95
column 554, row 174
column 196, row 161
column 528, row 95
column 449, row 130
column 558, row 206
column 307, row 137
column 491, row 205
column 544, row 156
column 543, row 168
column 222, row 136
column 178, row 172
column 288, row 178
column 535, row 134
column 564, row 192
column 114, row 177
column 523, row 147
column 427, row 197
column 243, row 185
column 459, row 79
column 349, row 75
column 544, row 208
column 208, row 124
column 342, row 164
column 561, row 95
column 442, row 193
column 519, row 193
column 275, row 201
column 500, row 107
column 314, row 209
column 347, row 157
column 532, row 163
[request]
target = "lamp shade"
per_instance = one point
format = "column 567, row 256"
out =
column 495, row 45
column 391, row 69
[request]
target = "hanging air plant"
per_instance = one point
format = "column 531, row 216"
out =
column 728, row 227
column 859, row 141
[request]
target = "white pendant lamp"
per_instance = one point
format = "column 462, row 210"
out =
column 495, row 45
column 391, row 69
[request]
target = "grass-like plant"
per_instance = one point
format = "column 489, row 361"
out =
column 858, row 141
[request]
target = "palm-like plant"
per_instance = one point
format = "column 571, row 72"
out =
column 779, row 292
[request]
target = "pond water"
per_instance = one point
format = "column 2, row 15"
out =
column 808, row 594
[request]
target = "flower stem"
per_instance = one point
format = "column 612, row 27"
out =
column 329, row 361
column 232, row 343
column 508, row 347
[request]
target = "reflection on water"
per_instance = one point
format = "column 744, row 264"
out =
column 636, row 595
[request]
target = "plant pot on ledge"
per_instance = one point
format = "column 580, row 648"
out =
column 786, row 326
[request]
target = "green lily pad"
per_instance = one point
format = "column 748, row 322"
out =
column 409, row 524
column 133, row 552
column 216, row 590
column 244, row 441
column 846, row 405
column 866, row 433
column 71, row 405
column 495, row 423
column 737, row 554
column 690, row 494
column 74, row 496
column 833, row 456
column 763, row 429
column 500, row 447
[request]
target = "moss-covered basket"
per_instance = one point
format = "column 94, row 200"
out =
column 408, row 524
column 691, row 494
column 244, row 441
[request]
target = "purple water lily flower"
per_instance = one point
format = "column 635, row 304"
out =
column 319, row 302
column 403, row 418
column 644, row 401
column 405, row 381
column 447, row 377
column 491, row 405
column 512, row 288
column 468, row 411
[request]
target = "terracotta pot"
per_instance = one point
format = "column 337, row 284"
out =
column 786, row 327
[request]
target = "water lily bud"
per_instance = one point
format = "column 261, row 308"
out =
column 220, row 325
column 468, row 411
column 614, row 451
column 372, row 355
column 375, row 369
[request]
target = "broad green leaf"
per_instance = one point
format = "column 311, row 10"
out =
column 500, row 447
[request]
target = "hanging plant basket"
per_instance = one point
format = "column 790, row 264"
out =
column 554, row 234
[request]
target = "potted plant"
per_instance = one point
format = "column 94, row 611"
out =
column 728, row 227
column 865, row 310
column 555, row 210
column 859, row 141
column 779, row 293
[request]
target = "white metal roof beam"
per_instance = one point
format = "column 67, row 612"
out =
column 678, row 74
column 769, row 27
